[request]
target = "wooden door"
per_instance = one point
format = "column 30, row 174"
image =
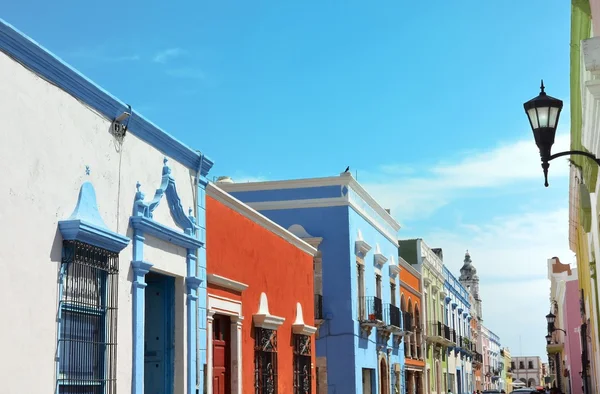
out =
column 221, row 355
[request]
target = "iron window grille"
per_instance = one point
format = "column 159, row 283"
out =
column 302, row 365
column 265, row 361
column 87, row 348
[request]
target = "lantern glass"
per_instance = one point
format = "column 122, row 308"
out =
column 548, row 339
column 550, row 317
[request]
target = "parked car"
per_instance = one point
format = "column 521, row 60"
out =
column 525, row 391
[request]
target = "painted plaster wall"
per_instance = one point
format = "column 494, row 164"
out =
column 572, row 324
column 244, row 251
column 409, row 281
column 49, row 139
column 366, row 347
column 336, row 334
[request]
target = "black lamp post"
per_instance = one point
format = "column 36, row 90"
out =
column 543, row 113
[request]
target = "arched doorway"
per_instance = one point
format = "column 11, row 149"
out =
column 384, row 382
column 531, row 382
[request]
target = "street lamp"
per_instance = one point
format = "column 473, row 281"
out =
column 543, row 113
column 548, row 339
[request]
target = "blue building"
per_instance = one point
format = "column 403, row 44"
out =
column 457, row 317
column 359, row 345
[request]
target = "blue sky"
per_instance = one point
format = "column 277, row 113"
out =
column 422, row 99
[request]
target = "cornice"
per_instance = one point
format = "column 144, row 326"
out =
column 342, row 180
column 233, row 203
column 226, row 283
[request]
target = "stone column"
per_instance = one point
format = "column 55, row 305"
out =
column 209, row 351
column 236, row 354
column 413, row 388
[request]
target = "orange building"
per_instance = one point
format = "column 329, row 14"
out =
column 260, row 307
column 410, row 305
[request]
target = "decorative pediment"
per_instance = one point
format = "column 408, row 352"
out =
column 379, row 258
column 460, row 310
column 263, row 317
column 298, row 326
column 361, row 247
column 394, row 268
column 167, row 189
column 86, row 225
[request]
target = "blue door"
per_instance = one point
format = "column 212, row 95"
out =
column 159, row 334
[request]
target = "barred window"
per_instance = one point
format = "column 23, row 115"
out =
column 88, row 317
column 265, row 361
column 302, row 365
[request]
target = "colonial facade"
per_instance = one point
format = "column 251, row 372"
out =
column 584, row 235
column 460, row 353
column 564, row 351
column 438, row 337
column 411, row 307
column 260, row 302
column 527, row 370
column 119, row 300
column 470, row 281
column 507, row 369
column 359, row 345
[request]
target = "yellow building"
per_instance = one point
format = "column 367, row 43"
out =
column 583, row 193
column 507, row 372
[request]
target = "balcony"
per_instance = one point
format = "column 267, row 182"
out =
column 477, row 358
column 371, row 314
column 438, row 333
column 392, row 318
column 318, row 308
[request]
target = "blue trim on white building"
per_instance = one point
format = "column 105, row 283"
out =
column 142, row 222
column 50, row 67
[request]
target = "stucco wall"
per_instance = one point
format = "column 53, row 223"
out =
column 242, row 250
column 573, row 341
column 336, row 333
column 48, row 139
column 366, row 348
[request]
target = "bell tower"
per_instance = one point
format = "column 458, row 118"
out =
column 469, row 279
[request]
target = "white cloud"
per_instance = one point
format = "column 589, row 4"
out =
column 167, row 54
column 412, row 197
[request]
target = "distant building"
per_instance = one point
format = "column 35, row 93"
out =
column 460, row 355
column 507, row 372
column 528, row 370
column 438, row 334
column 565, row 351
column 470, row 281
column 411, row 307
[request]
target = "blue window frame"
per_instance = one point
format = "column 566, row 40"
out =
column 87, row 320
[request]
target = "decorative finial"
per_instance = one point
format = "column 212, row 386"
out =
column 138, row 185
column 542, row 87
column 87, row 170
column 166, row 170
column 165, row 160
column 190, row 212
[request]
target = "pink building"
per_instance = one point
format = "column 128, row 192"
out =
column 564, row 347
column 572, row 322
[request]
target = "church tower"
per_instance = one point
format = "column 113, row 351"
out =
column 469, row 279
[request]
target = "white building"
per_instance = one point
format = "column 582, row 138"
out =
column 104, row 286
column 527, row 370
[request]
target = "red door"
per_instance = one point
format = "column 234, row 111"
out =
column 221, row 355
